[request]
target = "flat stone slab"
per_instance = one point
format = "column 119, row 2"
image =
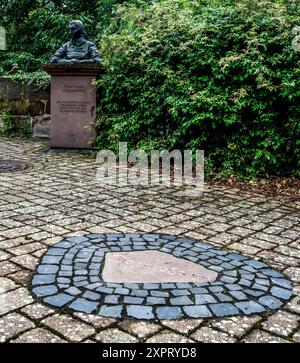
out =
column 74, row 275
column 152, row 266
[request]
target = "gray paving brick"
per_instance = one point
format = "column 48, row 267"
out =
column 111, row 311
column 58, row 300
column 167, row 313
column 204, row 299
column 181, row 300
column 250, row 307
column 221, row 310
column 84, row 305
column 140, row 312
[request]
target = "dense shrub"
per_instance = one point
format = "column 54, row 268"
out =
column 215, row 75
column 36, row 28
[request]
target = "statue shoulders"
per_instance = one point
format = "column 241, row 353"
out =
column 91, row 44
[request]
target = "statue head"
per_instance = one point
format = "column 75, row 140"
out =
column 76, row 29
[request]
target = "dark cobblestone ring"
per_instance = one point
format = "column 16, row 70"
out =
column 69, row 277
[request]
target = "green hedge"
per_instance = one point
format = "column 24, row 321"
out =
column 202, row 74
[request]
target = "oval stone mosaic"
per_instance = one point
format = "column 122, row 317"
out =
column 196, row 280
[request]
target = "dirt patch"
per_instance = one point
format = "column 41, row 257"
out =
column 283, row 188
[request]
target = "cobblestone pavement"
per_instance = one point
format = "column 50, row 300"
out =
column 59, row 197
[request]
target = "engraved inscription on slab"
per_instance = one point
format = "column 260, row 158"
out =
column 152, row 266
column 73, row 107
column 74, row 88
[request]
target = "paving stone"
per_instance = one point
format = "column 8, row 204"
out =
column 156, row 301
column 43, row 279
column 13, row 324
column 115, row 336
column 47, row 269
column 184, row 326
column 250, row 307
column 37, row 311
column 281, row 293
column 111, row 299
column 83, row 305
column 180, row 292
column 105, row 290
column 22, row 277
column 111, row 311
column 204, row 299
column 73, row 291
column 140, row 312
column 286, row 284
column 221, row 310
column 45, row 290
column 38, row 335
column 294, row 305
column 159, row 293
column 58, row 300
column 271, row 273
column 98, row 322
column 281, row 323
column 7, row 284
column 168, row 312
column 91, row 296
column 236, row 326
column 15, row 299
column 168, row 337
column 238, row 295
column 135, row 300
column 7, row 267
column 258, row 336
column 141, row 329
column 197, row 311
column 270, row 302
column 72, row 329
column 208, row 335
column 181, row 300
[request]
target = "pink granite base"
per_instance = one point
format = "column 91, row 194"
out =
column 73, row 105
column 152, row 267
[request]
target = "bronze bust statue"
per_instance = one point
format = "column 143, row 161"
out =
column 78, row 50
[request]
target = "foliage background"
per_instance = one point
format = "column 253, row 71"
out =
column 218, row 75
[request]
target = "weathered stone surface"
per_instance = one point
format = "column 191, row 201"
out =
column 38, row 336
column 185, row 326
column 115, row 336
column 208, row 335
column 15, row 299
column 13, row 324
column 258, row 336
column 236, row 326
column 152, row 266
column 141, row 329
column 281, row 323
column 169, row 337
column 72, row 329
column 37, row 311
column 7, row 285
column 96, row 321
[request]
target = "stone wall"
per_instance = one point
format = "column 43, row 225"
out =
column 28, row 103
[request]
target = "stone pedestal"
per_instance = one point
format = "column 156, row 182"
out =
column 73, row 104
